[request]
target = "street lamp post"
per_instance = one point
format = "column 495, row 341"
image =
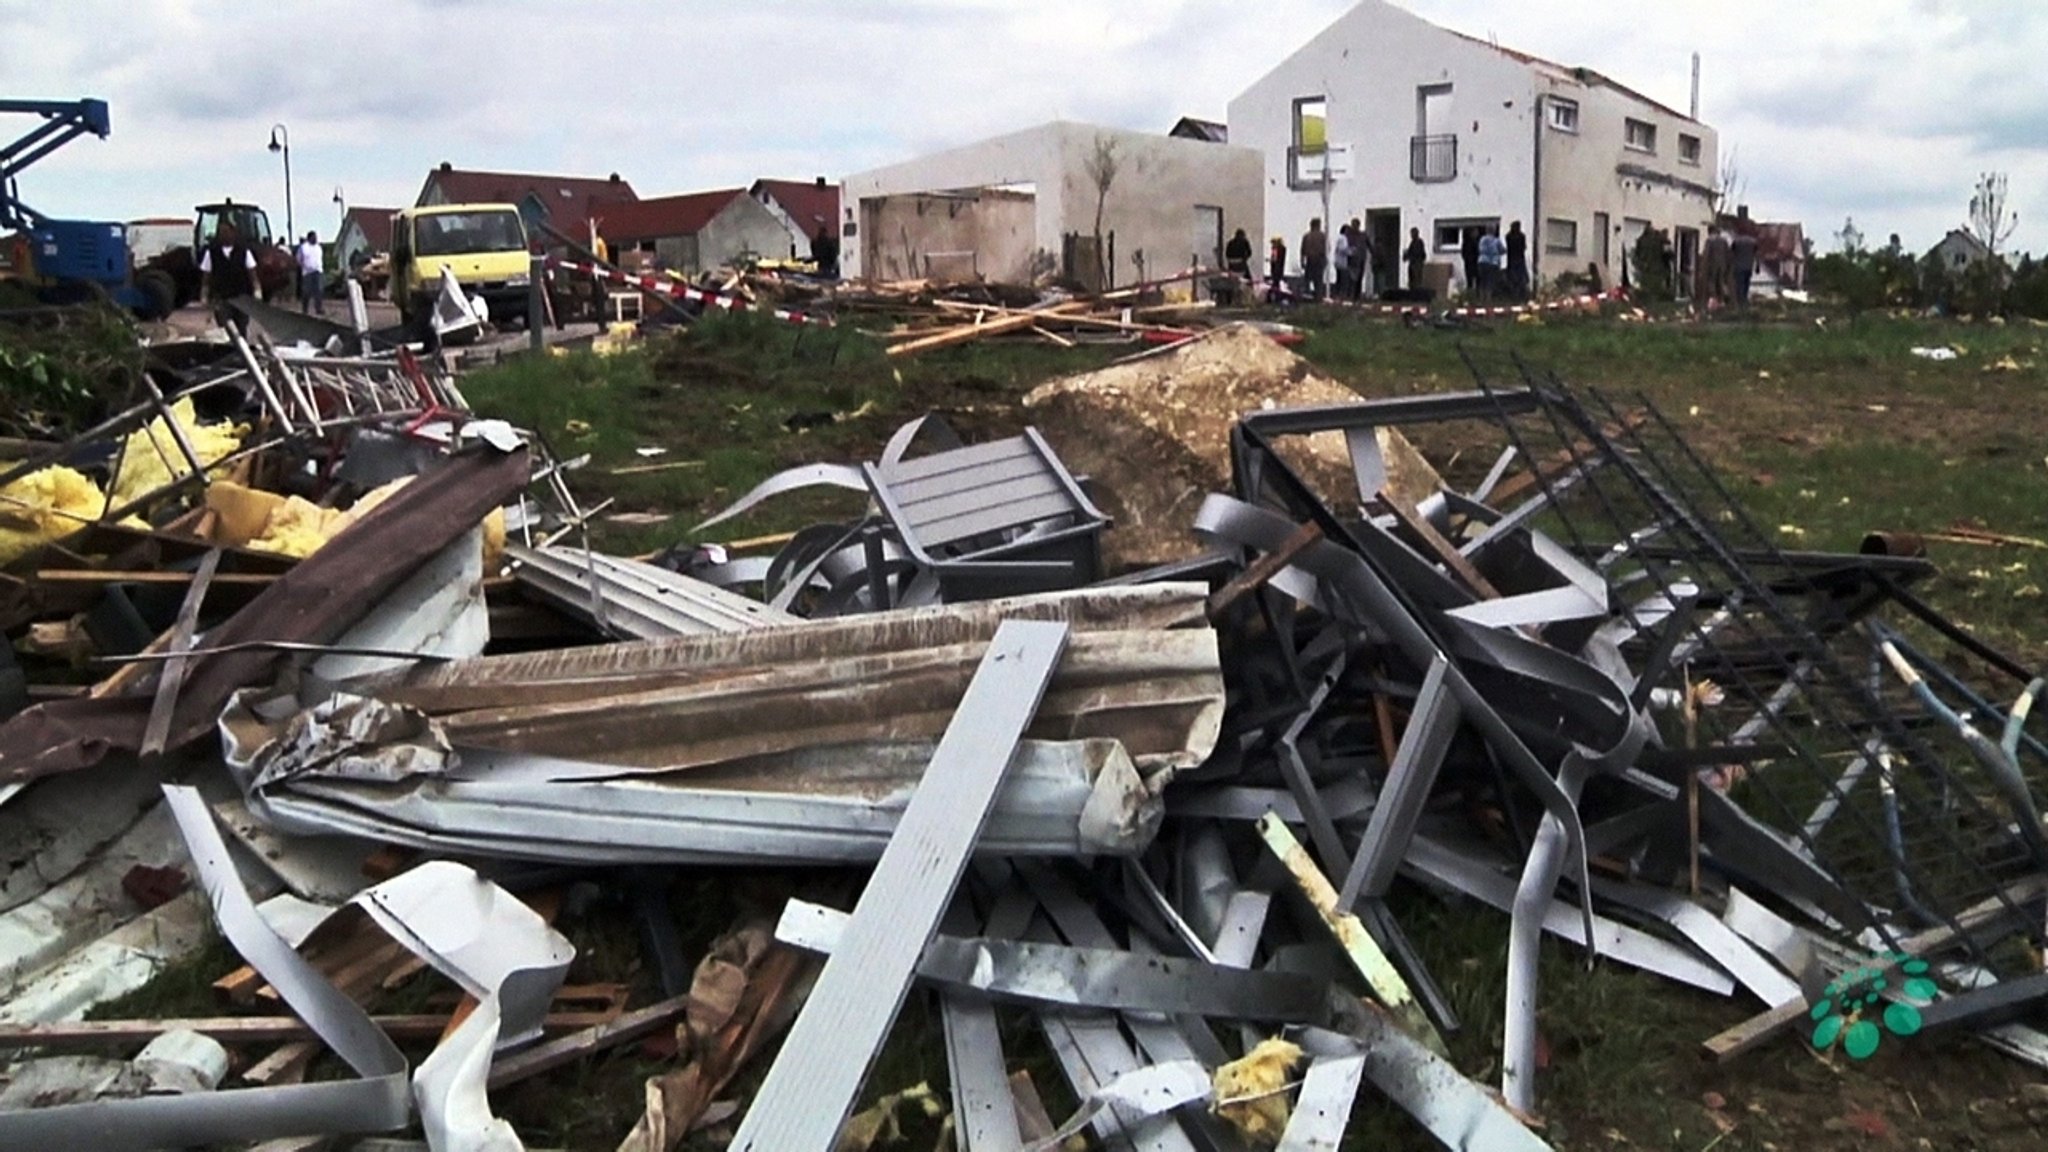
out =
column 340, row 210
column 281, row 142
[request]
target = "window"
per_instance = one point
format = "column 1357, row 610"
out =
column 1564, row 114
column 1450, row 234
column 1311, row 125
column 1309, row 159
column 1642, row 136
column 1561, row 236
column 1688, row 150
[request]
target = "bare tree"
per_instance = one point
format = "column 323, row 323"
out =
column 1102, row 167
column 1991, row 221
column 1732, row 184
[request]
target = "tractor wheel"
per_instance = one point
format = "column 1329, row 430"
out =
column 159, row 293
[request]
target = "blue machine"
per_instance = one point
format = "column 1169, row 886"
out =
column 67, row 260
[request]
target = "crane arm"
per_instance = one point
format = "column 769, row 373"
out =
column 63, row 122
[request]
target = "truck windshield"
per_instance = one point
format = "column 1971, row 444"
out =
column 449, row 233
column 252, row 226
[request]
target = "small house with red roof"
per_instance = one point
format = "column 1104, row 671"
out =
column 803, row 208
column 564, row 203
column 696, row 231
column 364, row 231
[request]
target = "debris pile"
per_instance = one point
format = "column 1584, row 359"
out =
column 1132, row 721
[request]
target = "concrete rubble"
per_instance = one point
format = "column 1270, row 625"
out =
column 1147, row 727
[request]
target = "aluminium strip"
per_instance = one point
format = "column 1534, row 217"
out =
column 1322, row 1110
column 639, row 600
column 984, row 1108
column 1078, row 977
column 813, row 1083
column 1435, row 863
column 1463, row 1116
column 1750, row 966
column 1432, row 723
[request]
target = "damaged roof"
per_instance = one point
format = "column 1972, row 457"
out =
column 808, row 204
column 568, row 201
column 664, row 216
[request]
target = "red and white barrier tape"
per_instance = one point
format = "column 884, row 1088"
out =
column 675, row 289
column 1496, row 310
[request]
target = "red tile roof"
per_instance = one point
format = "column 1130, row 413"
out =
column 663, row 216
column 806, row 203
column 375, row 223
column 570, row 200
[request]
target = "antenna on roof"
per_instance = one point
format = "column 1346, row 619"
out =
column 1695, row 85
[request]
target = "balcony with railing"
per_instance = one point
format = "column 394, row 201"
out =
column 1432, row 159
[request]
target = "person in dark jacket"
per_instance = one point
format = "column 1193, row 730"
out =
column 227, row 271
column 1518, row 262
column 1742, row 258
column 825, row 252
column 1469, row 251
column 1416, row 255
column 1315, row 259
column 1237, row 256
column 1276, row 269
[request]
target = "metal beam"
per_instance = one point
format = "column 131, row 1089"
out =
column 812, row 1085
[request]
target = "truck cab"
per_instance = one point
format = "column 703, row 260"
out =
column 484, row 245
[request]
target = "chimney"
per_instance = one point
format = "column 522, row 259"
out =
column 821, row 182
column 1742, row 212
column 614, row 178
column 1695, row 85
column 447, row 167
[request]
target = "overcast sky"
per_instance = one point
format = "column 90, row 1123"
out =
column 1882, row 109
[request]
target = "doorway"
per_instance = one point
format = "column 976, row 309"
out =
column 1383, row 228
column 1687, row 257
column 1208, row 238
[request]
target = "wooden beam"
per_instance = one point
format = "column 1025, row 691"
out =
column 553, row 1054
column 1754, row 1032
column 138, row 576
column 1263, row 569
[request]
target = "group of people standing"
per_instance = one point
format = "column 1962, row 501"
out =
column 1728, row 268
column 1496, row 266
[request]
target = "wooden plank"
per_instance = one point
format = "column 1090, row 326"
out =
column 1054, row 337
column 1446, row 552
column 141, row 576
column 553, row 1054
column 1358, row 946
column 1755, row 1032
column 967, row 333
column 172, row 678
column 1263, row 569
column 825, row 1059
column 643, row 469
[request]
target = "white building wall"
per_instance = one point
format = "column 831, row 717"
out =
column 1581, row 178
column 1370, row 65
column 1151, row 206
column 742, row 227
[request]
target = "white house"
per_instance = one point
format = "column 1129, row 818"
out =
column 1403, row 124
column 1018, row 206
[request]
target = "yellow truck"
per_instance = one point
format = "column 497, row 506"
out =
column 483, row 244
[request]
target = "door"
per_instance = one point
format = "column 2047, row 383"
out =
column 1383, row 228
column 1603, row 244
column 1208, row 237
column 1631, row 231
column 1687, row 241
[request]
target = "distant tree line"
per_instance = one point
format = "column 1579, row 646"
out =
column 1991, row 284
